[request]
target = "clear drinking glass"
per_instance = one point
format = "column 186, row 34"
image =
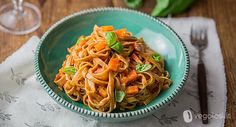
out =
column 19, row 17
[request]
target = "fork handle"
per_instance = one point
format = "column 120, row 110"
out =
column 202, row 89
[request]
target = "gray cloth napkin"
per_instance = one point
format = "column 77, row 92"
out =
column 24, row 103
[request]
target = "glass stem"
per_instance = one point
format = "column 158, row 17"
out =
column 18, row 5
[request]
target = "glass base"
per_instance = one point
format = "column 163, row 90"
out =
column 19, row 23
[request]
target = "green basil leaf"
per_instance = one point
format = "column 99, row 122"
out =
column 110, row 38
column 173, row 7
column 143, row 67
column 118, row 47
column 161, row 6
column 135, row 4
column 119, row 95
column 181, row 5
column 112, row 42
column 156, row 57
column 70, row 70
column 80, row 39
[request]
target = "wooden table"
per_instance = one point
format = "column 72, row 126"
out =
column 222, row 11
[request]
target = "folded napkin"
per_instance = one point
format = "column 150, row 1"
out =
column 24, row 103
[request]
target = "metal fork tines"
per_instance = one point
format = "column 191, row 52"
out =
column 199, row 40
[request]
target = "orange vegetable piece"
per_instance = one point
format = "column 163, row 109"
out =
column 82, row 42
column 121, row 32
column 130, row 77
column 100, row 45
column 107, row 28
column 132, row 90
column 102, row 92
column 114, row 64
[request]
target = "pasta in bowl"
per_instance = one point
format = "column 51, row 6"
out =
column 112, row 69
column 111, row 74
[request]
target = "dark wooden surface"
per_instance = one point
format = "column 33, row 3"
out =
column 222, row 11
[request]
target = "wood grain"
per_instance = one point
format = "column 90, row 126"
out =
column 52, row 11
column 222, row 11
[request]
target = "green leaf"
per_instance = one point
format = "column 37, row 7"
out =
column 110, row 38
column 119, row 95
column 168, row 10
column 80, row 39
column 156, row 57
column 174, row 7
column 161, row 6
column 70, row 70
column 118, row 47
column 143, row 67
column 135, row 4
column 112, row 42
column 181, row 5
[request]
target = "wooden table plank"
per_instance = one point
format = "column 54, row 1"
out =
column 222, row 11
column 51, row 11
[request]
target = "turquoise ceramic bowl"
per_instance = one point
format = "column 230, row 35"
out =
column 52, row 50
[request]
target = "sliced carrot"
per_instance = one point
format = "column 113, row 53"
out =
column 132, row 90
column 102, row 92
column 82, row 41
column 121, row 32
column 114, row 64
column 130, row 77
column 81, row 44
column 79, row 48
column 100, row 45
column 107, row 28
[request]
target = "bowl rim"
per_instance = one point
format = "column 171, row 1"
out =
column 86, row 112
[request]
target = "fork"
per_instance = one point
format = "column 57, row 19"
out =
column 199, row 40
